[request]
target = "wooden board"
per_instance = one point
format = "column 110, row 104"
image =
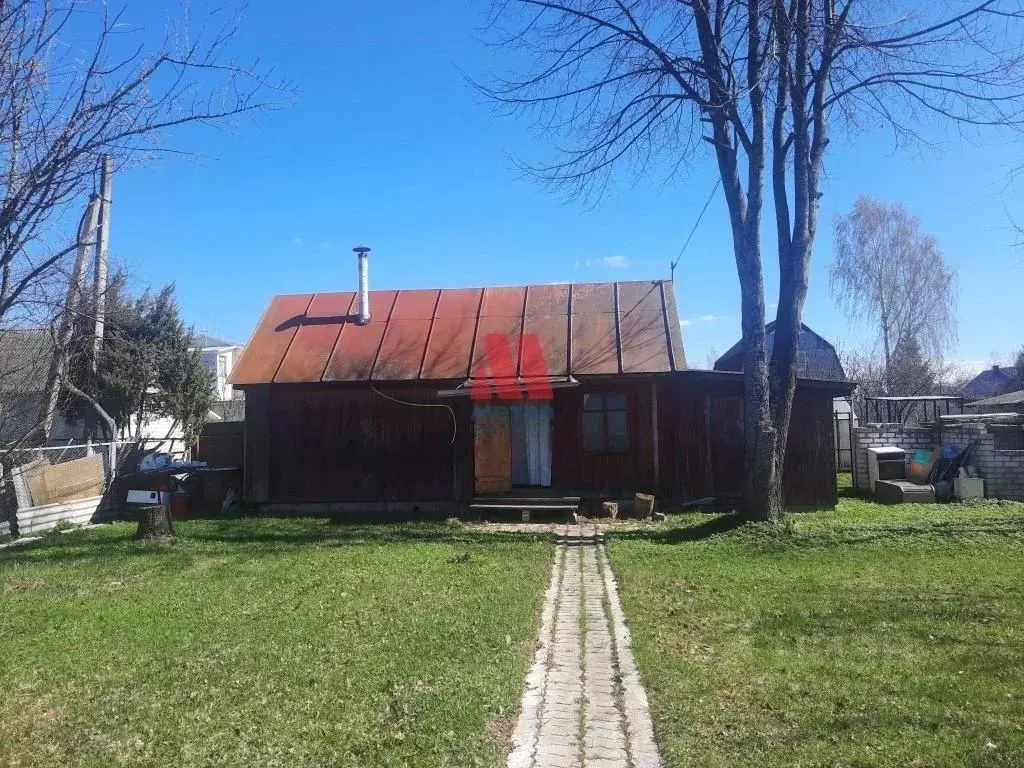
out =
column 20, row 480
column 492, row 454
column 77, row 479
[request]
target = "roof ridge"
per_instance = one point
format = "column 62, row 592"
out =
column 652, row 280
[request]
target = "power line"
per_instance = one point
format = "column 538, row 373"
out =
column 672, row 266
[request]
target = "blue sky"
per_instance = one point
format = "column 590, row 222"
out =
column 387, row 145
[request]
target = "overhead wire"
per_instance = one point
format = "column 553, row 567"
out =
column 675, row 262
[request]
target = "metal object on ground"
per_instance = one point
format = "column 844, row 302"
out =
column 903, row 492
column 148, row 498
column 886, row 463
column 968, row 488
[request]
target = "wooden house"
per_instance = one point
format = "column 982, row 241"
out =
column 429, row 399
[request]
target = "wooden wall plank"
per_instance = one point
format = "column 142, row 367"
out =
column 256, row 477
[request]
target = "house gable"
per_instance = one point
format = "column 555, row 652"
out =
column 816, row 357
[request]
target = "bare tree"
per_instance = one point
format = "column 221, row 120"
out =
column 913, row 374
column 652, row 83
column 888, row 272
column 64, row 105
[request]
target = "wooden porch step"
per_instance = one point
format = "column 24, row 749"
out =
column 526, row 507
column 526, row 500
column 531, row 507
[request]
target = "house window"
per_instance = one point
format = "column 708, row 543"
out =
column 604, row 423
column 1006, row 437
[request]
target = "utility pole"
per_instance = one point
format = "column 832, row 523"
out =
column 102, row 247
column 72, row 308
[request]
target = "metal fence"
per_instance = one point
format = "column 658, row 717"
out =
column 843, row 423
column 57, row 474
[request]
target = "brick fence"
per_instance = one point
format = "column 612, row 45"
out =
column 1003, row 470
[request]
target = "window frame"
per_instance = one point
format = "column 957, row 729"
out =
column 605, row 433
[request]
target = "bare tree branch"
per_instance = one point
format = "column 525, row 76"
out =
column 62, row 108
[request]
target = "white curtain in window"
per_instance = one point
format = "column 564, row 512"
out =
column 537, row 425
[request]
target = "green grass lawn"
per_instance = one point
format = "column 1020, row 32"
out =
column 867, row 636
column 266, row 643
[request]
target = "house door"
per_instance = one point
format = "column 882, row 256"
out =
column 492, row 450
column 531, row 443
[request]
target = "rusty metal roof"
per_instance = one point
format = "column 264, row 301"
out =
column 521, row 331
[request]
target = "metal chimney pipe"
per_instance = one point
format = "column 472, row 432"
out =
column 364, row 284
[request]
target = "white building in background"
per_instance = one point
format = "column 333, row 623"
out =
column 219, row 356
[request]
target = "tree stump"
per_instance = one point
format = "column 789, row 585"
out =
column 643, row 505
column 155, row 523
column 610, row 509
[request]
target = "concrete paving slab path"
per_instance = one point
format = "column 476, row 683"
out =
column 583, row 705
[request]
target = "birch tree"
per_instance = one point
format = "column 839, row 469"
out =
column 888, row 273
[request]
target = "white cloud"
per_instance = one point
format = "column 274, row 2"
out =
column 298, row 240
column 699, row 319
column 609, row 262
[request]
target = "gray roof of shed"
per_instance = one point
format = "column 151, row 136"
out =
column 1010, row 398
column 816, row 357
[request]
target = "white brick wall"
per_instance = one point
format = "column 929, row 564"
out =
column 882, row 435
column 1003, row 471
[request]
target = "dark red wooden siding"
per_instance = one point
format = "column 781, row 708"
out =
column 701, row 442
column 605, row 473
column 810, row 477
column 348, row 443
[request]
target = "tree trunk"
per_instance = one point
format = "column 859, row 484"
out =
column 759, row 436
column 155, row 523
column 108, row 422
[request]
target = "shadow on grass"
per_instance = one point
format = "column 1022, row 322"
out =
column 733, row 529
column 253, row 536
column 714, row 526
column 345, row 533
column 944, row 531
